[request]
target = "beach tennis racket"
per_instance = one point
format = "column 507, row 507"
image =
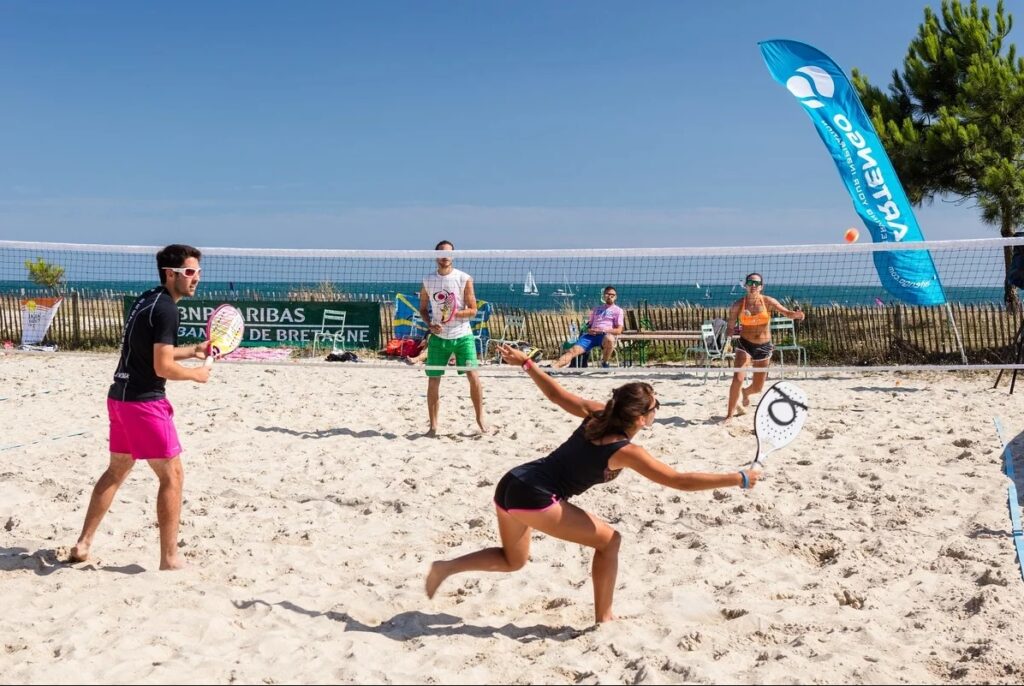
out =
column 224, row 331
column 780, row 415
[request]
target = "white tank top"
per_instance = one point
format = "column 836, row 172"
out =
column 447, row 295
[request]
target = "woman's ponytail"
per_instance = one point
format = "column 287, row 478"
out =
column 621, row 411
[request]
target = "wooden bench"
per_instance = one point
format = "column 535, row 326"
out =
column 658, row 336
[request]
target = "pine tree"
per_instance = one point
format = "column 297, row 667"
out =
column 953, row 121
column 47, row 275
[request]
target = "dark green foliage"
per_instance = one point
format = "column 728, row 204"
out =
column 953, row 121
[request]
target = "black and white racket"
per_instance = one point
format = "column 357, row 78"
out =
column 780, row 415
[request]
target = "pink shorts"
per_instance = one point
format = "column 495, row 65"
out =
column 144, row 430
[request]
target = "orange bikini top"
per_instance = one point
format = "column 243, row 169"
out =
column 762, row 318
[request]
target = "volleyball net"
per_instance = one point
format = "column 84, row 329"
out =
column 851, row 319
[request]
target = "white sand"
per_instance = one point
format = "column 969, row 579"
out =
column 877, row 550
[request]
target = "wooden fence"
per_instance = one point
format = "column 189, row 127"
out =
column 832, row 334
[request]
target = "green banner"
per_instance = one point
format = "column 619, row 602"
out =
column 279, row 323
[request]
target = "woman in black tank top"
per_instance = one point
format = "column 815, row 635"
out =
column 535, row 495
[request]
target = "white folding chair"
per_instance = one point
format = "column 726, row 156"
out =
column 713, row 349
column 513, row 330
column 783, row 332
column 332, row 329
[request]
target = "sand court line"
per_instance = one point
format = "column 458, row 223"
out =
column 73, row 434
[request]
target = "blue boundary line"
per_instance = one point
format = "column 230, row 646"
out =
column 1012, row 502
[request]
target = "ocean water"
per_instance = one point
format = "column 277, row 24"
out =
column 509, row 296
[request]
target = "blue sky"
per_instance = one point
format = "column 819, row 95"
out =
column 395, row 124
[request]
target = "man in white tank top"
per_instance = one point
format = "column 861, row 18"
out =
column 447, row 304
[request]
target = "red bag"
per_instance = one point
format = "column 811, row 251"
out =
column 402, row 347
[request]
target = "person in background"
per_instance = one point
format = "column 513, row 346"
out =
column 421, row 352
column 752, row 316
column 605, row 323
column 447, row 304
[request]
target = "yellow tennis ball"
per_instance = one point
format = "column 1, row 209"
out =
column 851, row 235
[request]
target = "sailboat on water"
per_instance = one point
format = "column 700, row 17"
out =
column 530, row 287
column 565, row 292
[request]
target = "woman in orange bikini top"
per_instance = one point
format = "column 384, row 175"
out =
column 753, row 313
column 748, row 319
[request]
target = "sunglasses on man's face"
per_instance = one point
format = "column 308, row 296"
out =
column 189, row 272
column 752, row 282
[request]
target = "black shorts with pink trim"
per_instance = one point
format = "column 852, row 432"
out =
column 512, row 493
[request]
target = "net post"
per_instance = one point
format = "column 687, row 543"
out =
column 956, row 334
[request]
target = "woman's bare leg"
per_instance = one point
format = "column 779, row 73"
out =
column 742, row 358
column 512, row 555
column 759, row 378
column 570, row 523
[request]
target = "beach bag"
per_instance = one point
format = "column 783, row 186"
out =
column 1015, row 275
column 402, row 347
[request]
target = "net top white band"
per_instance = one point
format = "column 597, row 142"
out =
column 867, row 247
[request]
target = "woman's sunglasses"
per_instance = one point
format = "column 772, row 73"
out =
column 657, row 404
column 187, row 271
column 752, row 282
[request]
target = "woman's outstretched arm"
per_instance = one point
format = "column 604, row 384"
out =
column 552, row 390
column 782, row 309
column 642, row 462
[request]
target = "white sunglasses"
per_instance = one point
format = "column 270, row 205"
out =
column 187, row 271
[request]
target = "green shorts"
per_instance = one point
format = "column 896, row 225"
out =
column 440, row 350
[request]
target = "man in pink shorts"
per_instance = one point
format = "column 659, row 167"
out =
column 141, row 418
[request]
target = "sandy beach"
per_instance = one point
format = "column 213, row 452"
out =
column 877, row 549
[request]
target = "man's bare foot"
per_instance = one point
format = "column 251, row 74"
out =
column 434, row 578
column 431, row 432
column 174, row 563
column 485, row 429
column 80, row 553
column 739, row 410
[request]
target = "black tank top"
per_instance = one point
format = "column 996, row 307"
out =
column 573, row 467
